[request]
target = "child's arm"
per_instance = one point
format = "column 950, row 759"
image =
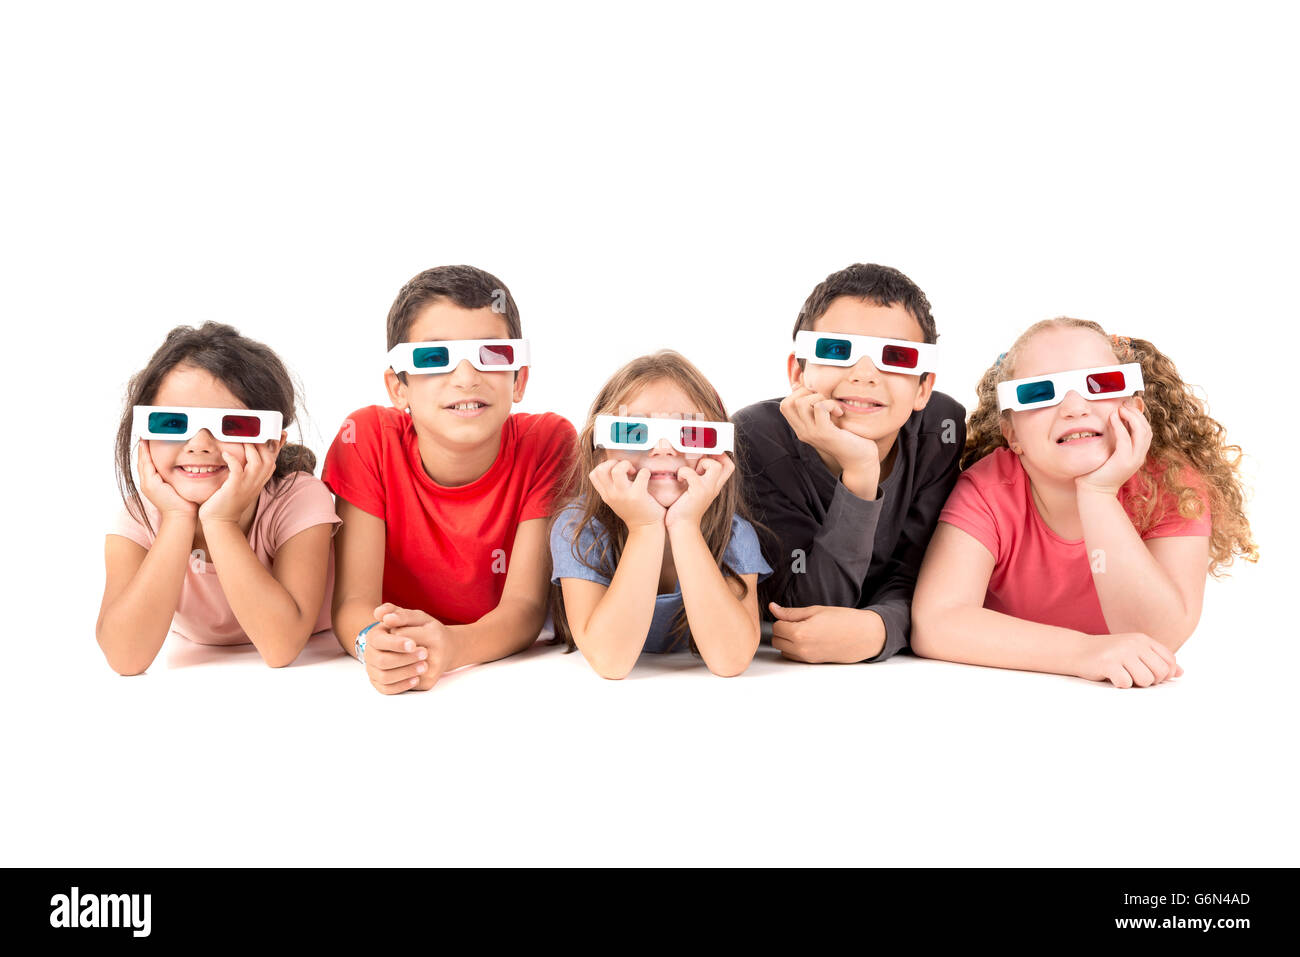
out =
column 725, row 627
column 142, row 587
column 950, row 622
column 393, row 665
column 610, row 622
column 1156, row 587
column 507, row 629
column 275, row 608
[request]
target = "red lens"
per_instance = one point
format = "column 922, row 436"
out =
column 1101, row 383
column 900, row 356
column 698, row 437
column 496, row 355
column 240, row 426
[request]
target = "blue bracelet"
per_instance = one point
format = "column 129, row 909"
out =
column 360, row 643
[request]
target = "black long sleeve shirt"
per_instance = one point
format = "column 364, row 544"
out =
column 831, row 547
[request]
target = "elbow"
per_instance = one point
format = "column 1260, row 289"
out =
column 284, row 655
column 924, row 632
column 124, row 664
column 610, row 667
column 737, row 662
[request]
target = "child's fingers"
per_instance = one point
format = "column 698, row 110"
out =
column 641, row 484
column 396, row 687
column 1160, row 669
column 1142, row 676
column 405, row 618
column 793, row 614
column 1164, row 653
column 690, row 477
column 1178, row 671
column 400, row 676
column 384, row 609
column 380, row 638
column 380, row 661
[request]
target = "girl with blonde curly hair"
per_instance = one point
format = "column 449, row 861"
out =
column 1096, row 494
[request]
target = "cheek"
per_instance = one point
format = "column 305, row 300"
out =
column 164, row 454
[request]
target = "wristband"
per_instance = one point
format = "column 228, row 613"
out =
column 360, row 643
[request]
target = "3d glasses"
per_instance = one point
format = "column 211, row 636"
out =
column 226, row 425
column 1039, row 392
column 486, row 355
column 688, row 436
column 887, row 355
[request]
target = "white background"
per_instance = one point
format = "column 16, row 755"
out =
column 669, row 175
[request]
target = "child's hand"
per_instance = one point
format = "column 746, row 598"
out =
column 433, row 640
column 813, row 417
column 629, row 497
column 703, row 483
column 821, row 633
column 158, row 490
column 1126, row 660
column 393, row 664
column 1132, row 440
column 242, row 485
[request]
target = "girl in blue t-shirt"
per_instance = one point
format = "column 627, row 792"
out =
column 653, row 552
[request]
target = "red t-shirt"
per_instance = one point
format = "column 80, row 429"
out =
column 447, row 548
column 1039, row 576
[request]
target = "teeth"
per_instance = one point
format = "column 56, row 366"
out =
column 199, row 469
column 860, row 405
column 467, row 406
column 1076, row 435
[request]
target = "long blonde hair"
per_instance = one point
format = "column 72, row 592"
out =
column 602, row 555
column 1182, row 435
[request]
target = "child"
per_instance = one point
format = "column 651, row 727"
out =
column 445, row 496
column 231, row 542
column 850, row 470
column 1077, row 539
column 654, row 546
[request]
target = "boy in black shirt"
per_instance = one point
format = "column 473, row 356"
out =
column 850, row 470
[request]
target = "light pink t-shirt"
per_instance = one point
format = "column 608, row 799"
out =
column 1039, row 576
column 203, row 614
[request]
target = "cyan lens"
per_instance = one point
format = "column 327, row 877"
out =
column 837, row 349
column 1035, row 392
column 629, row 433
column 430, row 357
column 168, row 423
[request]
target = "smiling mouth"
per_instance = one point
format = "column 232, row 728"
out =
column 860, row 405
column 199, row 470
column 670, row 476
column 1077, row 436
column 473, row 405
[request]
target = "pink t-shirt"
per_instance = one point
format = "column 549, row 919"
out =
column 203, row 614
column 1039, row 576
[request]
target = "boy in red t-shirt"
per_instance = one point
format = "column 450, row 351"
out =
column 442, row 560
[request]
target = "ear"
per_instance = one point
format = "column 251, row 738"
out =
column 923, row 392
column 521, row 383
column 793, row 371
column 284, row 437
column 396, row 390
column 1008, row 429
column 1138, row 403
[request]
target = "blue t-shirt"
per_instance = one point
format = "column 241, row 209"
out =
column 742, row 554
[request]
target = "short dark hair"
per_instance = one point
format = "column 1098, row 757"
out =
column 880, row 285
column 466, row 286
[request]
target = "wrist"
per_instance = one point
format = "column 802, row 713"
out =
column 1091, row 490
column 862, row 483
column 183, row 519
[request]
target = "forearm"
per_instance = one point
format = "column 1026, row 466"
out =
column 268, row 614
column 1135, row 591
column 131, row 630
column 725, row 632
column 835, row 564
column 506, row 630
column 614, row 635
column 972, row 635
